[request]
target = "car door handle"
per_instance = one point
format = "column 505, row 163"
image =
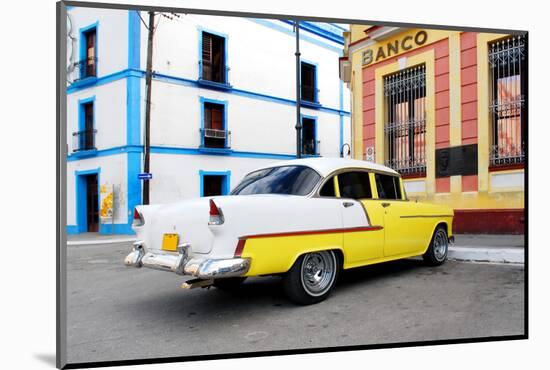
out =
column 386, row 204
column 348, row 204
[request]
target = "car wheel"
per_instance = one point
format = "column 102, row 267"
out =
column 438, row 249
column 228, row 283
column 312, row 277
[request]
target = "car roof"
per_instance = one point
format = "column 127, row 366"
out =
column 325, row 166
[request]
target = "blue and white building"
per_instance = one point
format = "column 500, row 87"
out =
column 223, row 103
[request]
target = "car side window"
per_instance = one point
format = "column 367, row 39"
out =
column 355, row 185
column 388, row 186
column 328, row 189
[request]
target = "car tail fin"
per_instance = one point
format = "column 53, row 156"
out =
column 216, row 215
column 138, row 218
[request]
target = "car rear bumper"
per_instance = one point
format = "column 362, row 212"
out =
column 181, row 264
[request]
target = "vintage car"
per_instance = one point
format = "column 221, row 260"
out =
column 303, row 219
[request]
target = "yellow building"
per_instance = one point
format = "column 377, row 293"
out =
column 448, row 110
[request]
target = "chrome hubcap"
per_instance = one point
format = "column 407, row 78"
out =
column 318, row 272
column 441, row 245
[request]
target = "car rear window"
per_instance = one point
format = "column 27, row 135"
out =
column 290, row 180
column 388, row 186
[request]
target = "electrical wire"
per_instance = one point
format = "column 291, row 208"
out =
column 142, row 21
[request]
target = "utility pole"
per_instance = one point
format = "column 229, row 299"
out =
column 298, row 93
column 148, row 88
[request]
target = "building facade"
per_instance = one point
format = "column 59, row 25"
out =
column 446, row 109
column 223, row 103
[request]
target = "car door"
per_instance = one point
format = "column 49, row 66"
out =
column 362, row 242
column 402, row 234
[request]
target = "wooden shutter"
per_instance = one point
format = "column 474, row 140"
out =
column 90, row 45
column 206, row 72
column 90, row 53
column 308, row 82
column 206, row 48
column 217, row 119
column 89, row 116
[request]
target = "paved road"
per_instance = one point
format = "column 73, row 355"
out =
column 117, row 313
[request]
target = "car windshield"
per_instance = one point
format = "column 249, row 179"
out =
column 290, row 180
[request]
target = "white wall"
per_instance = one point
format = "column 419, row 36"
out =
column 113, row 170
column 260, row 58
column 109, row 114
column 255, row 125
column 177, row 176
column 112, row 38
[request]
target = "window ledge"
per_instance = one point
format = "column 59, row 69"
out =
column 86, row 81
column 84, row 153
column 416, row 175
column 215, row 85
column 205, row 149
column 507, row 167
column 310, row 104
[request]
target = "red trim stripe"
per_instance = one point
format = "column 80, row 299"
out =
column 240, row 247
column 313, row 232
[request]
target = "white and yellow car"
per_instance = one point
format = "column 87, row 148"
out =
column 302, row 219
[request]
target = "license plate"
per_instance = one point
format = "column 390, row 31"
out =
column 170, row 242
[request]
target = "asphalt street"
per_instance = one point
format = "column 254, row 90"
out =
column 117, row 313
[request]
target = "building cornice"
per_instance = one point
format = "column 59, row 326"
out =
column 376, row 35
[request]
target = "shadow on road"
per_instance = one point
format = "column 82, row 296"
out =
column 360, row 275
column 254, row 298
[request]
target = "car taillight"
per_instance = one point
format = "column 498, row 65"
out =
column 138, row 218
column 216, row 215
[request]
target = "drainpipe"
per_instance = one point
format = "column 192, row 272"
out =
column 148, row 88
column 298, row 94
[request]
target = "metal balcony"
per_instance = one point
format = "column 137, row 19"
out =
column 84, row 140
column 85, row 68
column 213, row 138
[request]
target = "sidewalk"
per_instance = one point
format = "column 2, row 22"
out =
column 488, row 248
column 476, row 248
column 96, row 238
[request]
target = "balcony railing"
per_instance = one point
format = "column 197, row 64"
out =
column 210, row 72
column 310, row 94
column 84, row 140
column 311, row 147
column 213, row 138
column 85, row 68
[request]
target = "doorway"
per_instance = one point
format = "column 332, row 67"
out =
column 87, row 200
column 92, row 203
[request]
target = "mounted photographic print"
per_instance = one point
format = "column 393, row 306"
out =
column 236, row 184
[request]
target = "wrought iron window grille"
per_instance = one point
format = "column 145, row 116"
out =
column 508, row 74
column 405, row 120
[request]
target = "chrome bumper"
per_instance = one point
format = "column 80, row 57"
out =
column 181, row 264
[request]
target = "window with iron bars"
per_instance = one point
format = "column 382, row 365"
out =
column 405, row 120
column 508, row 74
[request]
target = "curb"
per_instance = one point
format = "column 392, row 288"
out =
column 487, row 254
column 101, row 241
